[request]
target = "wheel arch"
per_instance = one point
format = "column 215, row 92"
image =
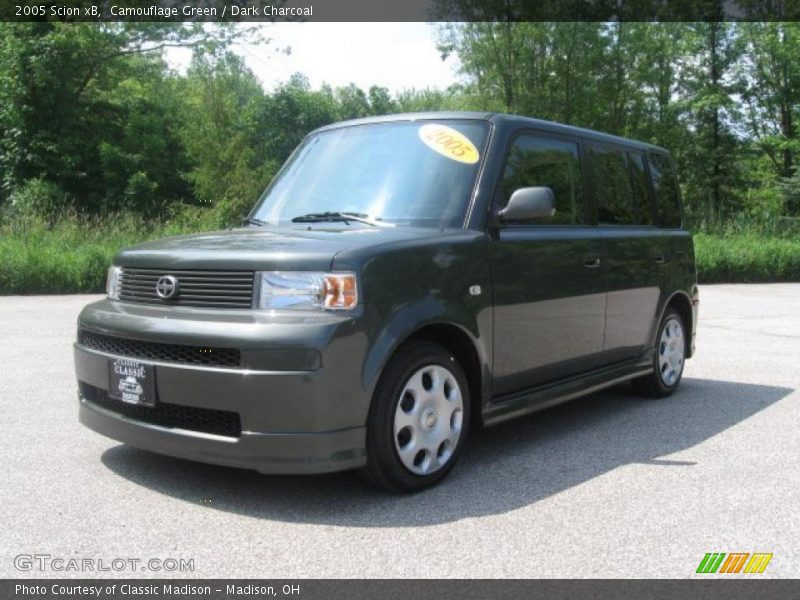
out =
column 681, row 302
column 461, row 343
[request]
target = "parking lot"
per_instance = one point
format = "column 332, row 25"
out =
column 607, row 486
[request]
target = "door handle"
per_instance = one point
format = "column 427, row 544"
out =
column 660, row 259
column 591, row 261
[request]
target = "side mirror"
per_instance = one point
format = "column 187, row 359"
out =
column 529, row 203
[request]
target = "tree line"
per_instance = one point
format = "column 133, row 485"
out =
column 93, row 120
column 723, row 97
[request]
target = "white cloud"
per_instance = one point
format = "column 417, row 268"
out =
column 395, row 55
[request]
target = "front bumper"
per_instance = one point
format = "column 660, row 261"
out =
column 307, row 418
column 274, row 453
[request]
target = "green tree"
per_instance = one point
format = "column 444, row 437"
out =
column 428, row 99
column 68, row 92
column 294, row 110
column 771, row 90
column 352, row 102
column 223, row 130
column 380, row 101
column 491, row 55
column 142, row 160
column 708, row 87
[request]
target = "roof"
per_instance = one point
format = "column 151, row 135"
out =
column 502, row 119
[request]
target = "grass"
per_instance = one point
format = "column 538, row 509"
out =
column 747, row 258
column 72, row 255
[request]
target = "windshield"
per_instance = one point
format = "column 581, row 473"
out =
column 403, row 173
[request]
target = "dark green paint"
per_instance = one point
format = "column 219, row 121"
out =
column 545, row 328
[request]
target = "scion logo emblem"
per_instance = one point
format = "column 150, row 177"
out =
column 167, row 287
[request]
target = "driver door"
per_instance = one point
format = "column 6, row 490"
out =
column 549, row 275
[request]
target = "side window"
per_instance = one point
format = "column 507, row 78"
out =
column 546, row 162
column 665, row 184
column 612, row 185
column 641, row 195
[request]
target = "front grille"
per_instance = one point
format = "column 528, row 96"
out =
column 176, row 353
column 205, row 420
column 214, row 289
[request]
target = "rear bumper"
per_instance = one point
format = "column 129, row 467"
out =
column 276, row 453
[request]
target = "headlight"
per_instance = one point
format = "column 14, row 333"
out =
column 307, row 290
column 112, row 282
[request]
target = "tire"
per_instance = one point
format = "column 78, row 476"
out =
column 668, row 360
column 418, row 420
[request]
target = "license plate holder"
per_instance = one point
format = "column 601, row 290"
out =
column 132, row 382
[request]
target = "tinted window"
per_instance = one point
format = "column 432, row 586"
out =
column 613, row 190
column 539, row 161
column 641, row 196
column 407, row 173
column 665, row 184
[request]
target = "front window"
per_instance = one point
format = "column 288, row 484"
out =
column 547, row 162
column 419, row 173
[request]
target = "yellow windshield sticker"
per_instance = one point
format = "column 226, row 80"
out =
column 449, row 142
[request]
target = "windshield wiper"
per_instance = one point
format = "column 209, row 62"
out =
column 254, row 221
column 343, row 217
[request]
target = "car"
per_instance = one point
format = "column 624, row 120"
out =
column 402, row 281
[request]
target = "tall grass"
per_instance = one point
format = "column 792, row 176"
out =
column 743, row 248
column 747, row 258
column 70, row 254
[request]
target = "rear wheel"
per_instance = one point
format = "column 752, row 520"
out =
column 669, row 358
column 419, row 418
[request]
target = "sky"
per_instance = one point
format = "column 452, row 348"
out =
column 394, row 55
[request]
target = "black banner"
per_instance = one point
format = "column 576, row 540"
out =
column 355, row 589
column 397, row 10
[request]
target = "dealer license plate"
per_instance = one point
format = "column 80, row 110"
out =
column 132, row 382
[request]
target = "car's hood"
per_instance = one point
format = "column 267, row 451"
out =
column 262, row 248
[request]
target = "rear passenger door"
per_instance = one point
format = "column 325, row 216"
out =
column 549, row 280
column 635, row 252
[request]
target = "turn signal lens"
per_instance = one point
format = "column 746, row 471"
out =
column 340, row 291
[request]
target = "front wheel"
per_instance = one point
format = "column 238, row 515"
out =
column 418, row 421
column 669, row 358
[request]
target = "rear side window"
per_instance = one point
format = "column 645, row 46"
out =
column 641, row 193
column 547, row 162
column 667, row 194
column 613, row 187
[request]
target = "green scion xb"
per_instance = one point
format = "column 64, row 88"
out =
column 402, row 279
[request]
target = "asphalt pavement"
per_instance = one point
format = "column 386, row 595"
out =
column 606, row 486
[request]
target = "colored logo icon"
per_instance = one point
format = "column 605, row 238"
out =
column 734, row 562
